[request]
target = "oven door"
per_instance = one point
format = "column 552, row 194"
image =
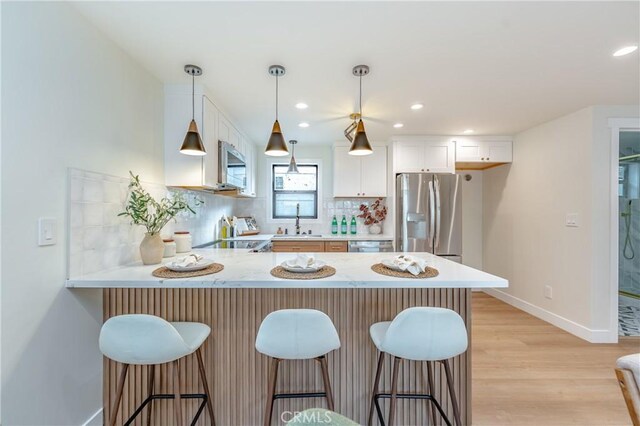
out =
column 233, row 169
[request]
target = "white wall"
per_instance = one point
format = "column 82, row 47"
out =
column 70, row 98
column 472, row 218
column 559, row 167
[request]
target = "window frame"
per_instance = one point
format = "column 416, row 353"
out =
column 275, row 191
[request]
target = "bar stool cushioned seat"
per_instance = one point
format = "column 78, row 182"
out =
column 297, row 334
column 147, row 339
column 418, row 334
column 421, row 334
column 139, row 339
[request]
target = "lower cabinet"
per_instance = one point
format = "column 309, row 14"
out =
column 309, row 246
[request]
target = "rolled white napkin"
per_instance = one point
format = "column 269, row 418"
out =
column 413, row 265
column 186, row 261
column 302, row 261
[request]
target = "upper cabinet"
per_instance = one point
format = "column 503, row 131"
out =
column 477, row 153
column 195, row 172
column 423, row 154
column 359, row 176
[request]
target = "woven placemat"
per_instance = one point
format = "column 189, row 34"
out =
column 324, row 272
column 165, row 272
column 383, row 270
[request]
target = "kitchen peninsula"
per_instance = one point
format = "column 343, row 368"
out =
column 234, row 301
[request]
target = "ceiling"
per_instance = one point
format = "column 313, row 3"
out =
column 495, row 67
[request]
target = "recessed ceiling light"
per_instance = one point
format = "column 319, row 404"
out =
column 398, row 125
column 417, row 106
column 303, row 124
column 625, row 50
column 302, row 105
column 468, row 131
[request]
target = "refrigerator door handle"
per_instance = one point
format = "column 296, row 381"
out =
column 432, row 214
column 436, row 185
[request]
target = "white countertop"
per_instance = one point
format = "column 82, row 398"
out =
column 243, row 269
column 321, row 237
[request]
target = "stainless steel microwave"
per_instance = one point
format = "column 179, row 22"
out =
column 232, row 170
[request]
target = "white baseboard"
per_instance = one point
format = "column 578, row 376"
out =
column 95, row 420
column 593, row 336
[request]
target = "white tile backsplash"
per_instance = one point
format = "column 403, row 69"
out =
column 99, row 239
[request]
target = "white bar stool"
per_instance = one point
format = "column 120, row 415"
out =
column 418, row 334
column 296, row 334
column 150, row 340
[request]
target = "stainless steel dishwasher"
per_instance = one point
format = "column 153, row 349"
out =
column 370, row 246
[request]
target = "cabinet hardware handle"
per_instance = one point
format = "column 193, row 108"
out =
column 487, row 158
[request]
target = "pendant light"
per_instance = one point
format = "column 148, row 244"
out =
column 360, row 144
column 276, row 147
column 293, row 166
column 192, row 144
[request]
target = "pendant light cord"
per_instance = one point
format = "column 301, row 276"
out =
column 193, row 96
column 360, row 96
column 277, row 77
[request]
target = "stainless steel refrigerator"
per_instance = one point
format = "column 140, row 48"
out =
column 429, row 214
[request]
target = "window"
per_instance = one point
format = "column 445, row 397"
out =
column 289, row 190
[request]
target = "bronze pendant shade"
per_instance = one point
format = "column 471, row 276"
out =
column 276, row 147
column 293, row 165
column 360, row 144
column 192, row 144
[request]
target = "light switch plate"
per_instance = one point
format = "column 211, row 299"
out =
column 47, row 231
column 572, row 220
column 548, row 292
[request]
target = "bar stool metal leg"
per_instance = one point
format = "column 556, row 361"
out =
column 177, row 400
column 273, row 379
column 151, row 372
column 203, row 377
column 431, row 391
column 394, row 390
column 327, row 383
column 376, row 386
column 116, row 403
column 452, row 392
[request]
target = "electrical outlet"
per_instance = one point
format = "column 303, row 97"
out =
column 572, row 220
column 548, row 292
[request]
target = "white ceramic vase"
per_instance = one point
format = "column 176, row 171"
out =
column 375, row 229
column 151, row 249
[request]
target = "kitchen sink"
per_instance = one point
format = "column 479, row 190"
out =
column 298, row 236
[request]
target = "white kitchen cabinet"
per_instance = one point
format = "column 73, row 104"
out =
column 251, row 162
column 209, row 136
column 482, row 152
column 423, row 154
column 359, row 176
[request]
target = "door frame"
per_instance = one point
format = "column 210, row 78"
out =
column 616, row 125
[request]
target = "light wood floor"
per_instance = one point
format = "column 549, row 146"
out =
column 528, row 372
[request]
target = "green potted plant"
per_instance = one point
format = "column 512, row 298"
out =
column 144, row 210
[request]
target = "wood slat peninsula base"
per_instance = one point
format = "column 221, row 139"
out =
column 238, row 374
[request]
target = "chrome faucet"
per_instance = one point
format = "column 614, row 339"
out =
column 298, row 219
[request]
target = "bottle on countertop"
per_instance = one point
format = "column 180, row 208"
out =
column 334, row 226
column 343, row 225
column 354, row 225
column 279, row 231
